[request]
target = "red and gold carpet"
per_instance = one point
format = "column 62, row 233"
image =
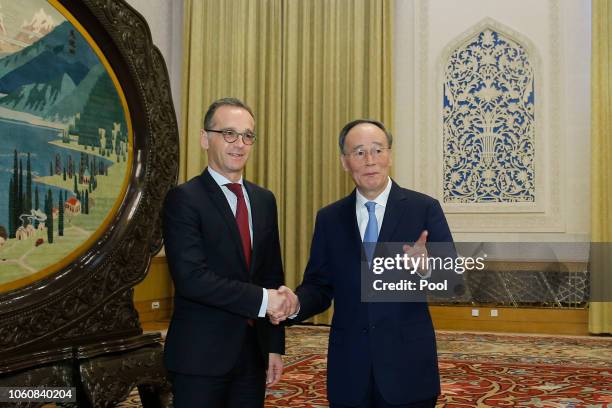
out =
column 477, row 370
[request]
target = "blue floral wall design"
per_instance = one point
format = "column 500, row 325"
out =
column 489, row 122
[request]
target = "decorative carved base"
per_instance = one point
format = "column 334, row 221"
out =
column 103, row 374
column 108, row 379
column 58, row 374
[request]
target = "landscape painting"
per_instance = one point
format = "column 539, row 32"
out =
column 65, row 142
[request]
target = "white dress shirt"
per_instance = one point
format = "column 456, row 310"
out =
column 379, row 210
column 232, row 200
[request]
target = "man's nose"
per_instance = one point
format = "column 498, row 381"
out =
column 240, row 141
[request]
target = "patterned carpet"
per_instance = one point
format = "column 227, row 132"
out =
column 478, row 370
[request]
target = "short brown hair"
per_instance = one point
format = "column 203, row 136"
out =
column 210, row 113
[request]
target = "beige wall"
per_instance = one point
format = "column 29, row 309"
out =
column 559, row 32
column 165, row 19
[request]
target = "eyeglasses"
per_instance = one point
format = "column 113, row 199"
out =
column 374, row 152
column 230, row 136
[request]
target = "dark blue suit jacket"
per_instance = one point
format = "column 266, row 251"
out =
column 215, row 293
column 394, row 341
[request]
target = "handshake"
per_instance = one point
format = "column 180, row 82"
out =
column 282, row 303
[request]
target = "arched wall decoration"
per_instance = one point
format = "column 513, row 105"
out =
column 545, row 213
column 87, row 297
column 489, row 121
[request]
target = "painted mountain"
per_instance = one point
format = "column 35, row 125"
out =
column 67, row 106
column 38, row 98
column 40, row 25
column 64, row 42
column 67, row 59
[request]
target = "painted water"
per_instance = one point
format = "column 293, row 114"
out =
column 26, row 138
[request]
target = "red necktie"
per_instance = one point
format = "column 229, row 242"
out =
column 242, row 219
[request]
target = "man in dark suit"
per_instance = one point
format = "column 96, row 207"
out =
column 222, row 244
column 380, row 354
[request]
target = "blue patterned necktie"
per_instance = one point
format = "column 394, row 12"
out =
column 371, row 232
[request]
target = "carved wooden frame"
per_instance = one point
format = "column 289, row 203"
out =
column 90, row 300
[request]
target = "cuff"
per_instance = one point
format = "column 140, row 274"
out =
column 264, row 304
column 297, row 312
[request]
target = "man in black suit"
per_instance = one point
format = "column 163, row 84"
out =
column 381, row 354
column 222, row 244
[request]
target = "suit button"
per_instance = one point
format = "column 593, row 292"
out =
column 373, row 327
column 365, row 329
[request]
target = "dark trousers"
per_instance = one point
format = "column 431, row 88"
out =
column 243, row 387
column 374, row 399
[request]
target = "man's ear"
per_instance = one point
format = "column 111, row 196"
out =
column 343, row 161
column 204, row 139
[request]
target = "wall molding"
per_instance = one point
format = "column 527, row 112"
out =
column 547, row 213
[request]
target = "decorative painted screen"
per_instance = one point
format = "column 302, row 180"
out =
column 489, row 122
column 65, row 141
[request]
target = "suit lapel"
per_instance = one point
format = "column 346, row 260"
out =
column 349, row 220
column 258, row 219
column 220, row 202
column 393, row 213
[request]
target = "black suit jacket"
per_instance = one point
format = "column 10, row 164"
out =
column 215, row 294
column 395, row 341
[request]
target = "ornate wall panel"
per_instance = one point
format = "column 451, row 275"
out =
column 489, row 122
column 488, row 128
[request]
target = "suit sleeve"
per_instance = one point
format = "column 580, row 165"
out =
column 315, row 292
column 193, row 278
column 273, row 278
column 436, row 224
column 440, row 244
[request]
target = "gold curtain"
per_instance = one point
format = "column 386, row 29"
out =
column 306, row 68
column 600, row 313
column 233, row 48
column 336, row 67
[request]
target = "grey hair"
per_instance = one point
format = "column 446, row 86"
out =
column 347, row 128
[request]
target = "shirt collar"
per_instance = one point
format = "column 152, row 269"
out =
column 220, row 179
column 380, row 200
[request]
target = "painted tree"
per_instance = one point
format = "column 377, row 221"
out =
column 36, row 205
column 70, row 166
column 49, row 213
column 102, row 109
column 28, row 200
column 60, row 216
column 15, row 193
column 58, row 164
column 76, row 128
column 21, row 194
column 11, row 210
column 72, row 44
column 36, row 201
column 118, row 143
